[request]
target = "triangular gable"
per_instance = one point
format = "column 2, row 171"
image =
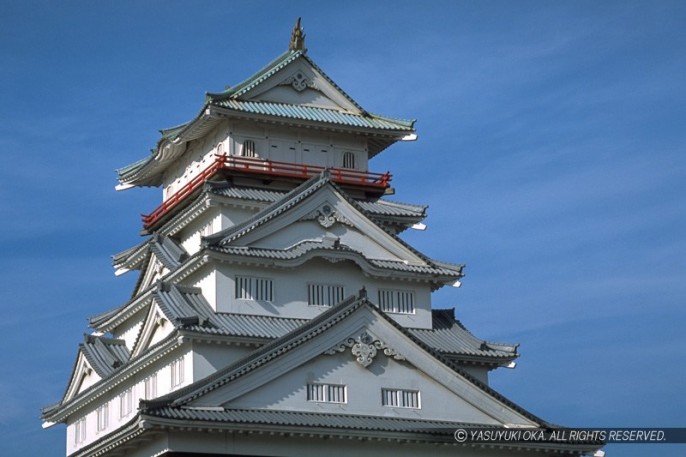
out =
column 167, row 252
column 354, row 330
column 154, row 271
column 156, row 327
column 320, row 205
column 98, row 357
column 302, row 83
column 82, row 377
column 173, row 306
column 292, row 79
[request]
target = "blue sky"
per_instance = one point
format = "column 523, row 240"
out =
column 551, row 152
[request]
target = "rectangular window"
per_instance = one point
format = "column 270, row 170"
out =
column 396, row 301
column 80, row 431
column 151, row 386
column 177, row 372
column 126, row 403
column 250, row 288
column 327, row 393
column 324, row 294
column 400, row 398
column 103, row 417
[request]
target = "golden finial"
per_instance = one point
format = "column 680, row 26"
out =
column 297, row 38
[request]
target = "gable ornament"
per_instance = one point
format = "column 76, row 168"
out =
column 365, row 348
column 326, row 216
column 297, row 42
column 298, row 81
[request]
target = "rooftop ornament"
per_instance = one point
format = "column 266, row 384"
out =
column 297, row 38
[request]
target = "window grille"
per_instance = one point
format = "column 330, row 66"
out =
column 327, row 393
column 348, row 160
column 248, row 149
column 400, row 398
column 251, row 288
column 396, row 301
column 324, row 294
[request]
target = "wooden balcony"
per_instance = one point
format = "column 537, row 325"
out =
column 269, row 169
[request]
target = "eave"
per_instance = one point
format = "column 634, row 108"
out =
column 149, row 171
column 146, row 425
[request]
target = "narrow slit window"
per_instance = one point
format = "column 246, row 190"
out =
column 103, row 417
column 177, row 372
column 151, row 386
column 80, row 431
column 126, row 403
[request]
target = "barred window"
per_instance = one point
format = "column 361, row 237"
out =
column 126, row 402
column 400, row 398
column 80, row 431
column 250, row 288
column 248, row 149
column 151, row 386
column 327, row 393
column 177, row 372
column 103, row 417
column 348, row 160
column 324, row 294
column 396, row 301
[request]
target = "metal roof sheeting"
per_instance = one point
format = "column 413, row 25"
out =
column 317, row 114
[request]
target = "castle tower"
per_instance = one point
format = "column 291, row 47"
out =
column 277, row 310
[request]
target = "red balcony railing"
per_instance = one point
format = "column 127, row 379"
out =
column 256, row 166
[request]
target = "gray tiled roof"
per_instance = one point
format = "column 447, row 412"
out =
column 303, row 334
column 380, row 207
column 289, row 200
column 232, row 102
column 448, row 336
column 300, row 249
column 223, row 240
column 188, row 309
column 307, row 419
column 104, row 355
column 167, row 251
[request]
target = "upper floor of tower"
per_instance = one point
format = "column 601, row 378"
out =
column 281, row 126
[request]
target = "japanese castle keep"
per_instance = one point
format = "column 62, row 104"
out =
column 277, row 311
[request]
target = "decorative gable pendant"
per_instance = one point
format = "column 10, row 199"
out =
column 365, row 348
column 299, row 81
column 326, row 216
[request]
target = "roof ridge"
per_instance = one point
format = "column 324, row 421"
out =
column 271, row 68
column 304, row 333
column 274, row 209
column 250, row 362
